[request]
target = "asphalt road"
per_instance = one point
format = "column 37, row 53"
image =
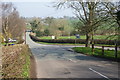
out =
column 60, row 62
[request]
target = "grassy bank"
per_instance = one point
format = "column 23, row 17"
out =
column 16, row 61
column 97, row 52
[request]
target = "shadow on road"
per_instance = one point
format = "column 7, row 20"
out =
column 88, row 58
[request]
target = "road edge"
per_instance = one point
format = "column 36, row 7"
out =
column 33, row 73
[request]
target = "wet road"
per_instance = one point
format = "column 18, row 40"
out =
column 54, row 61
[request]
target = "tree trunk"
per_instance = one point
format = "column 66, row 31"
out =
column 116, row 48
column 87, row 43
column 92, row 41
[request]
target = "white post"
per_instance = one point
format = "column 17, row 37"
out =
column 53, row 37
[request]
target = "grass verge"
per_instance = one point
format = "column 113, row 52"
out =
column 74, row 44
column 58, row 43
column 109, row 54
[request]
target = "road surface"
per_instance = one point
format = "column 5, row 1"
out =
column 60, row 62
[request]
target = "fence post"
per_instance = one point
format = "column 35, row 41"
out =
column 102, row 50
column 92, row 47
column 116, row 51
column 75, row 42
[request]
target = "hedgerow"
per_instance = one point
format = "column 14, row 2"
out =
column 16, row 61
column 80, row 41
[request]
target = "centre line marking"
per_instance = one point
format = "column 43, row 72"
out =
column 99, row 74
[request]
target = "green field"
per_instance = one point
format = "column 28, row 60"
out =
column 81, row 37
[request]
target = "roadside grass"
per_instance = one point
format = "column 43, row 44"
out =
column 97, row 52
column 26, row 66
column 16, row 61
column 58, row 43
column 77, row 44
column 81, row 37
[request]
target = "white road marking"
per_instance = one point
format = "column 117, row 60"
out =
column 100, row 74
column 72, row 60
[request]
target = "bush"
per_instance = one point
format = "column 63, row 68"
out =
column 80, row 41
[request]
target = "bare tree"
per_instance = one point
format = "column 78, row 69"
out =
column 16, row 24
column 12, row 24
column 89, row 13
column 113, row 11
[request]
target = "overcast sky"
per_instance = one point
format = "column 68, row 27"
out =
column 41, row 9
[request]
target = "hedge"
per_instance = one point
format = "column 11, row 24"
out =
column 80, row 41
column 15, row 62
